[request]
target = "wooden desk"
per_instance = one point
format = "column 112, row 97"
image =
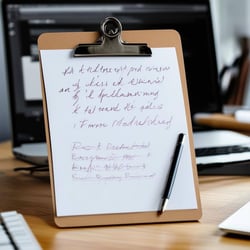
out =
column 31, row 196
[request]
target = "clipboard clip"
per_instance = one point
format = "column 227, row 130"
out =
column 111, row 44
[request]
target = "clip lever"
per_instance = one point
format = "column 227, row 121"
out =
column 110, row 43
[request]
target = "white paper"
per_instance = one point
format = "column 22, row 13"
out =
column 114, row 122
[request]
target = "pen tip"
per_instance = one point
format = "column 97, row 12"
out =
column 164, row 205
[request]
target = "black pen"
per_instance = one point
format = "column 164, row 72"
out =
column 173, row 171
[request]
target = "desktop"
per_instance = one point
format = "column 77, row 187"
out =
column 30, row 195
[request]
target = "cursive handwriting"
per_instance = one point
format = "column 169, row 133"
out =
column 110, row 160
column 116, row 96
column 119, row 93
column 142, row 122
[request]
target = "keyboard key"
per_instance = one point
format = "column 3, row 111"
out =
column 4, row 238
column 18, row 233
column 7, row 247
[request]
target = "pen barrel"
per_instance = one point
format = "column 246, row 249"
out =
column 174, row 165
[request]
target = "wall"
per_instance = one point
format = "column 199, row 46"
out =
column 231, row 21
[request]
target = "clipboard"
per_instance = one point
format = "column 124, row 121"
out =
column 123, row 163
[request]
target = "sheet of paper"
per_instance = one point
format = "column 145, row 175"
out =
column 114, row 122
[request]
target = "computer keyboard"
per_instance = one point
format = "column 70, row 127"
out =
column 221, row 150
column 15, row 233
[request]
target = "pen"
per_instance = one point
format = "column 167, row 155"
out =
column 172, row 171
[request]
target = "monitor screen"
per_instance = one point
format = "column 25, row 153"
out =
column 25, row 20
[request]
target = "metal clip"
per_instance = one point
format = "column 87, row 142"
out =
column 110, row 43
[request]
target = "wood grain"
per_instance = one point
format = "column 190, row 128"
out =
column 31, row 195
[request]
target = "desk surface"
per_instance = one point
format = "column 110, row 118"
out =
column 31, row 196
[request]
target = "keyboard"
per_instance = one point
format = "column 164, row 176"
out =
column 15, row 233
column 221, row 150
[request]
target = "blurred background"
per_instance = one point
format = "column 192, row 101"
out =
column 231, row 21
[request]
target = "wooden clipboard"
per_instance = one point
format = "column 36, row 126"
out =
column 154, row 39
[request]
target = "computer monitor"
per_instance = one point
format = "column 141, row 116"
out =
column 25, row 20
